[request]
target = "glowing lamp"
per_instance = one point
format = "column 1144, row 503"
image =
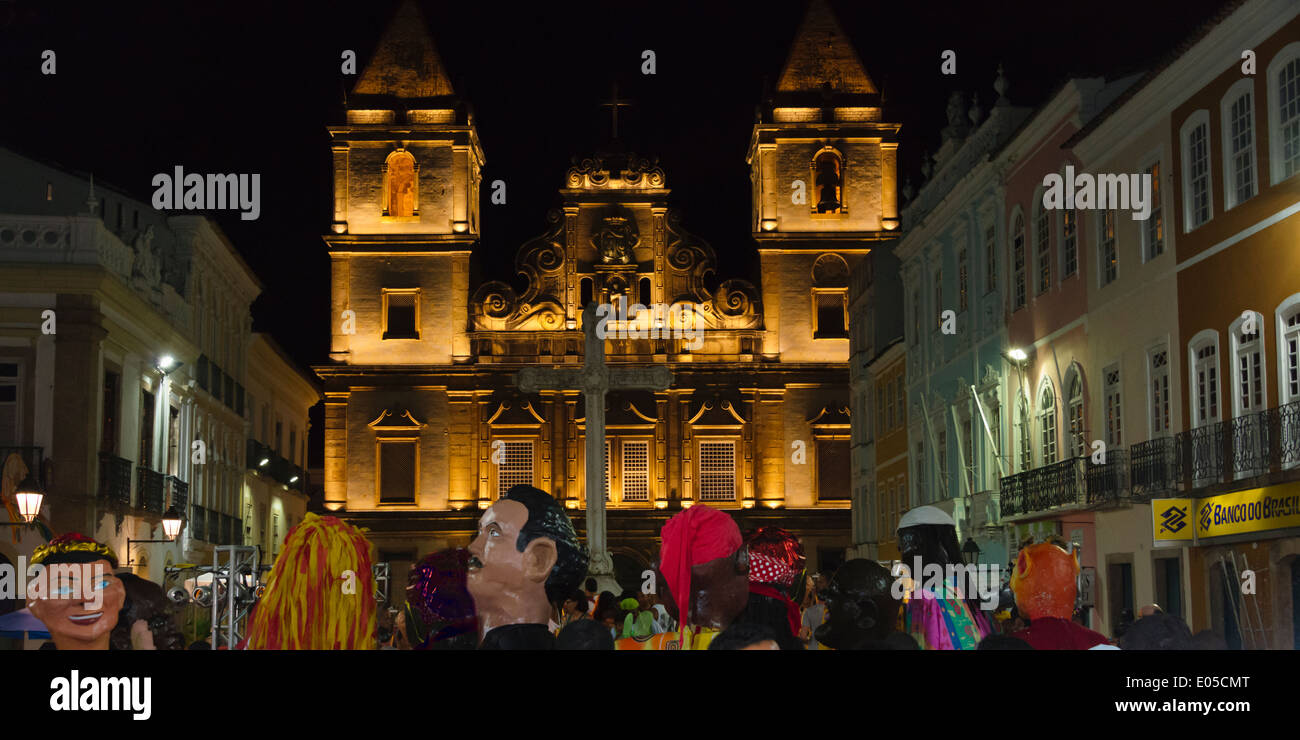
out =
column 661, row 504
column 333, row 505
column 1017, row 354
column 571, row 503
column 747, row 503
column 264, row 461
column 172, row 522
column 30, row 497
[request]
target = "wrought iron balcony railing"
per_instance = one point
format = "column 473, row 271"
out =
column 114, row 479
column 1044, row 488
column 198, row 523
column 1108, row 482
column 1153, row 468
column 178, row 493
column 151, row 489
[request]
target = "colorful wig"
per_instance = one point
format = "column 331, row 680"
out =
column 321, row 593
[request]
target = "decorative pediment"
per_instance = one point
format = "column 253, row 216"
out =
column 716, row 411
column 399, row 420
column 632, row 172
column 622, row 411
column 515, row 413
column 834, row 416
column 496, row 305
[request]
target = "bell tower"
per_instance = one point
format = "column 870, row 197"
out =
column 407, row 168
column 823, row 165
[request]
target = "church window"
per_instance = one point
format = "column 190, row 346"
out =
column 401, row 314
column 645, row 297
column 831, row 314
column 400, row 185
column 397, row 466
column 833, row 468
column 828, row 182
column 584, row 292
column 718, row 470
column 515, row 467
column 636, row 470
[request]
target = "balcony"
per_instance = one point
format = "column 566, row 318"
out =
column 1061, row 484
column 1153, row 468
column 178, row 493
column 1248, row 446
column 198, row 523
column 277, row 468
column 32, row 457
column 114, row 479
column 1108, row 483
column 151, row 487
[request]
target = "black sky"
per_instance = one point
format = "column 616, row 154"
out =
column 238, row 86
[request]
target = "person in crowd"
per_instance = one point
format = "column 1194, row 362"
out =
column 746, row 636
column 813, row 613
column 574, row 609
column 1158, row 631
column 584, row 634
column 319, row 595
column 1149, row 610
column 589, row 590
column 703, row 575
column 145, row 621
column 1045, row 583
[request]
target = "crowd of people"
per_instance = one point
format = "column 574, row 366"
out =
column 523, row 583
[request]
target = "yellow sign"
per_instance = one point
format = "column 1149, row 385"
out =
column 1243, row 512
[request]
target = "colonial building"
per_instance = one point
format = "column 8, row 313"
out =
column 424, row 424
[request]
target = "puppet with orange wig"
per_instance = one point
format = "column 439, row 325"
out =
column 703, row 578
column 1045, row 585
column 321, row 593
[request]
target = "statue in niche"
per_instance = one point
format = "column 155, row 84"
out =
column 401, row 184
column 615, row 239
column 146, row 259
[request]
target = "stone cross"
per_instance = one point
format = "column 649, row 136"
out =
column 594, row 379
column 614, row 104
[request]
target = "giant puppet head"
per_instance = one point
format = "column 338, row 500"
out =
column 77, row 596
column 929, row 534
column 1043, row 581
column 704, row 567
column 776, row 564
column 525, row 557
column 439, row 611
column 321, row 592
column 859, row 604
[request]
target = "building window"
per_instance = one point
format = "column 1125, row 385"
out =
column 718, row 471
column 401, row 314
column 1114, row 415
column 1248, row 370
column 833, row 468
column 636, row 470
column 397, row 470
column 49, row 191
column 1018, row 261
column 1078, row 444
column 828, row 178
column 1158, row 360
column 1196, row 169
column 516, row 465
column 920, row 473
column 8, row 404
column 916, row 315
column 963, row 273
column 1289, row 343
column 831, row 313
column 1022, row 421
column 1205, row 379
column 1107, row 255
column 1047, row 423
column 400, row 185
column 1238, row 143
column 146, row 430
column 938, row 298
column 995, row 430
column 968, row 455
column 1070, row 242
column 1284, row 112
column 880, row 410
column 1153, row 231
column 991, row 259
column 1043, row 245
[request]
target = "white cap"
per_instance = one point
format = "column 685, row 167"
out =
column 925, row 515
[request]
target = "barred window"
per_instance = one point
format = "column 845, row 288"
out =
column 1154, row 232
column 516, row 465
column 1042, row 244
column 636, row 470
column 1240, row 144
column 1159, row 391
column 991, row 257
column 1018, row 261
column 1109, row 258
column 1114, row 417
column 718, row 471
column 1070, row 242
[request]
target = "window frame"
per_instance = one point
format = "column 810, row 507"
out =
column 1048, row 433
column 1019, row 276
column 1202, row 339
column 1242, row 87
column 1287, row 54
column 1112, row 404
column 1288, row 307
column 843, row 293
column 1239, row 348
column 1156, row 405
column 700, row 442
column 1043, row 224
column 1107, row 241
column 531, row 441
column 414, row 441
column 1195, row 120
column 415, row 294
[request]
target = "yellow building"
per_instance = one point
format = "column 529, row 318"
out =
column 424, row 426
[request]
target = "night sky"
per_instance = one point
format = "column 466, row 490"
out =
column 249, row 87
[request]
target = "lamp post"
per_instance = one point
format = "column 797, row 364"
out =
column 1019, row 358
column 29, row 497
column 172, row 523
column 971, row 551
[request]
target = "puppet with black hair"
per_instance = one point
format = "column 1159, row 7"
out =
column 861, row 610
column 936, row 612
column 776, row 564
column 77, row 597
column 525, row 557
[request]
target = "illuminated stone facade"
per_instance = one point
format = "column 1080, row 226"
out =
column 424, row 426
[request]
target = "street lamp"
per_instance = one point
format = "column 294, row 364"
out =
column 172, row 523
column 168, row 364
column 29, row 496
column 1016, row 354
column 971, row 551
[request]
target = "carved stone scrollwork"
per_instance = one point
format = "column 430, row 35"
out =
column 737, row 305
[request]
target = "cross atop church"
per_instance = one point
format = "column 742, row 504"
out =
column 614, row 104
column 594, row 379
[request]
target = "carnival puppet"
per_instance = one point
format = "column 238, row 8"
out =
column 936, row 612
column 703, row 579
column 776, row 563
column 146, row 621
column 861, row 610
column 525, row 558
column 320, row 594
column 439, row 613
column 1044, row 582
column 77, row 597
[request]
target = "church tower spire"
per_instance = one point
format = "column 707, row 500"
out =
column 405, row 63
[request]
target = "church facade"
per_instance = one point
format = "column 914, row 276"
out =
column 424, row 425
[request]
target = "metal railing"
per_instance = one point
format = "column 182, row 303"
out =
column 178, row 493
column 198, row 523
column 1153, row 468
column 1108, row 482
column 151, row 490
column 114, row 479
column 1047, row 487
